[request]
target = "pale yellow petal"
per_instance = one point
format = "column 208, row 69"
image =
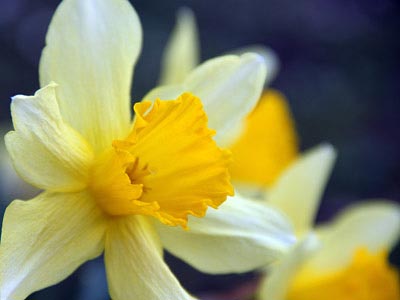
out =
column 278, row 279
column 134, row 264
column 45, row 239
column 374, row 225
column 229, row 87
column 91, row 48
column 181, row 55
column 239, row 236
column 270, row 57
column 11, row 185
column 47, row 152
column 299, row 189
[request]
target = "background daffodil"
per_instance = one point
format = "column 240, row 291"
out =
column 267, row 145
column 350, row 258
column 350, row 262
column 103, row 176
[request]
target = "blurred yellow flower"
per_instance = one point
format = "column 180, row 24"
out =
column 268, row 143
column 104, row 175
column 367, row 276
column 349, row 259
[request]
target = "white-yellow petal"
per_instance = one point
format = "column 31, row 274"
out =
column 45, row 239
column 182, row 53
column 11, row 185
column 229, row 87
column 276, row 283
column 239, row 236
column 91, row 48
column 374, row 225
column 299, row 189
column 134, row 264
column 270, row 57
column 46, row 152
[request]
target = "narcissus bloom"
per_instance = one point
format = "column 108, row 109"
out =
column 122, row 187
column 267, row 145
column 349, row 260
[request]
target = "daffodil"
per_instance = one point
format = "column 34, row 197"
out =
column 349, row 260
column 267, row 145
column 123, row 187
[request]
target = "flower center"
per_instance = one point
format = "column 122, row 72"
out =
column 367, row 277
column 168, row 167
column 117, row 183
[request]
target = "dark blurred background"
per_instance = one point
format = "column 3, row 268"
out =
column 339, row 70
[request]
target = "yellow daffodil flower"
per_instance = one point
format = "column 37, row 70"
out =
column 267, row 145
column 180, row 57
column 349, row 260
column 112, row 185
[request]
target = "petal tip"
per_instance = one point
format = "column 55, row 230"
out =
column 254, row 58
